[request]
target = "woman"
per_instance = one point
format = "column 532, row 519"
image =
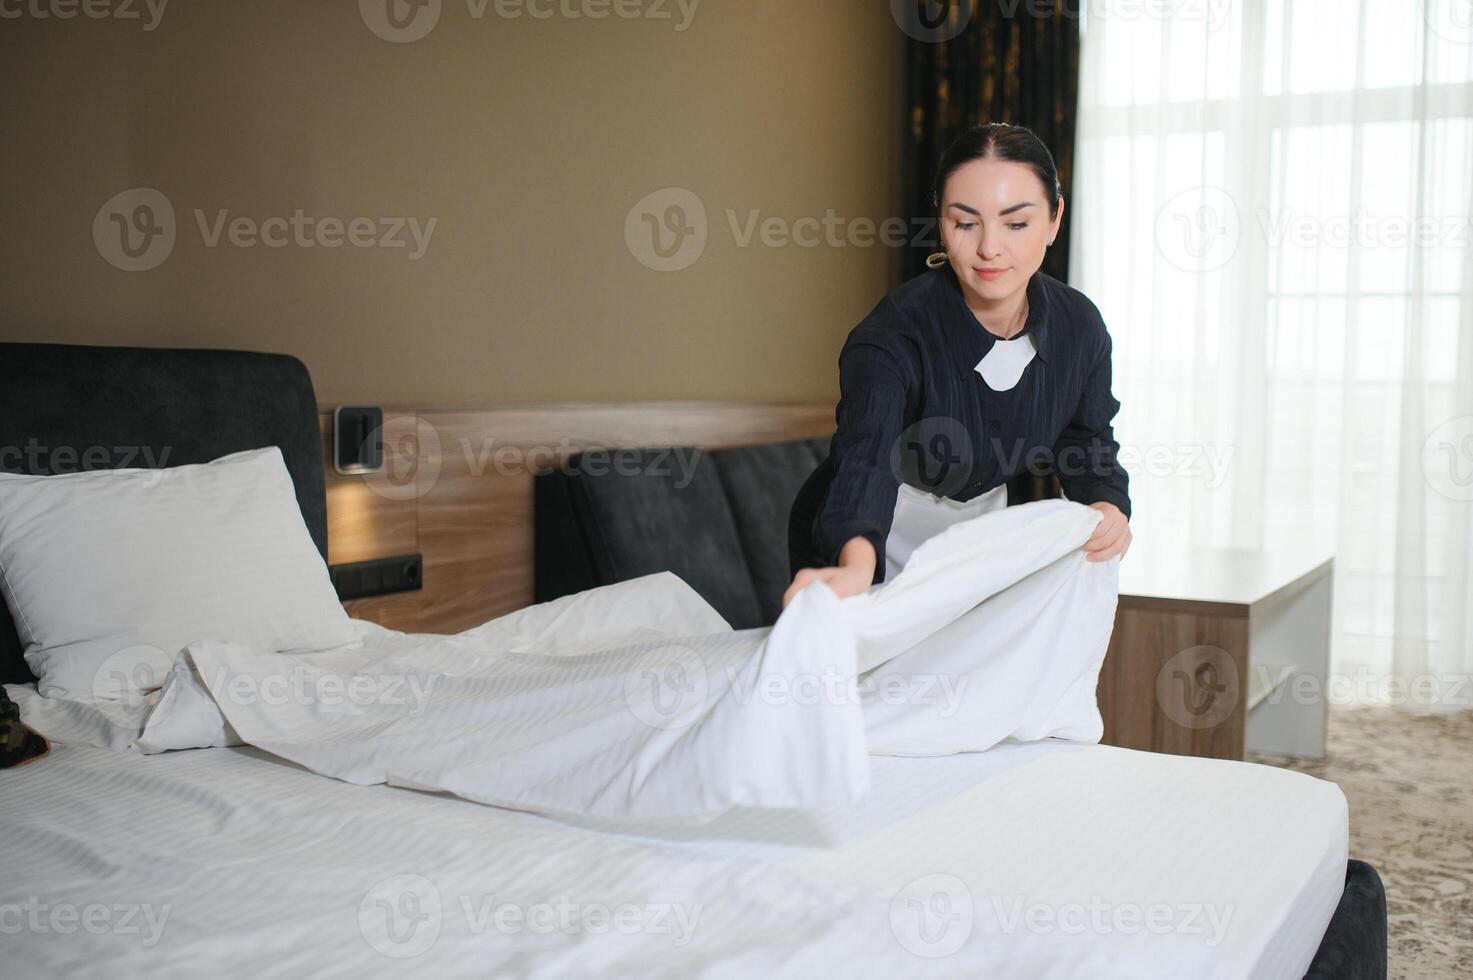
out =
column 963, row 377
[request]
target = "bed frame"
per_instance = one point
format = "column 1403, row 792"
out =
column 64, row 408
column 67, row 408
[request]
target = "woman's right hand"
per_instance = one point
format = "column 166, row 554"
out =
column 854, row 574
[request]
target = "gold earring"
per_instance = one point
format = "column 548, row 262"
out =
column 936, row 260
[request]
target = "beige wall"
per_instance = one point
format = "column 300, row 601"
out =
column 529, row 141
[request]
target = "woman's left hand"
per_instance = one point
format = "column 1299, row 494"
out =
column 1112, row 535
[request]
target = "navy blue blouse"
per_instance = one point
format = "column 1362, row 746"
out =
column 913, row 409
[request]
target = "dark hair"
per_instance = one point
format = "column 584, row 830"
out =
column 1003, row 141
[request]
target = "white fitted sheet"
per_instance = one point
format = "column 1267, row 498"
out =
column 265, row 869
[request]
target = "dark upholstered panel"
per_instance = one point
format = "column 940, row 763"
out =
column 725, row 533
column 1354, row 947
column 561, row 563
column 67, row 408
column 761, row 482
column 636, row 514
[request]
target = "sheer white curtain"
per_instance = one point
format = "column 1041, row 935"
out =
column 1272, row 211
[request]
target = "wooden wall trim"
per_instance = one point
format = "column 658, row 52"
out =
column 456, row 486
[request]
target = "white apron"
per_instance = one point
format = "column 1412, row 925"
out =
column 919, row 515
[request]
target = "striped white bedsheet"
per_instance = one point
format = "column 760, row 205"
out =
column 1048, row 859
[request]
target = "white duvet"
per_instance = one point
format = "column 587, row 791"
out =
column 636, row 701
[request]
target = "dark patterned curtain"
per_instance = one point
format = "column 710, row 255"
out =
column 977, row 61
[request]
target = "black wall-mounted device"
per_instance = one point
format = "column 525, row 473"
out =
column 357, row 439
column 378, row 576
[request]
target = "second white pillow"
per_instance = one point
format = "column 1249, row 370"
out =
column 109, row 573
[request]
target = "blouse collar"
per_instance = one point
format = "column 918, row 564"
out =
column 970, row 340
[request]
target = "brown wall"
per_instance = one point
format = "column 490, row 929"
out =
column 529, row 141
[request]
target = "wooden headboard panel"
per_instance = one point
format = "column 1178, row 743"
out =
column 456, row 487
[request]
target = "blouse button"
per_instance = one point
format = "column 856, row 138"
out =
column 994, row 425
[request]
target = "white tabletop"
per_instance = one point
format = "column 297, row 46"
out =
column 1234, row 576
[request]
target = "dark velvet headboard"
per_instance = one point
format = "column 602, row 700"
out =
column 66, row 408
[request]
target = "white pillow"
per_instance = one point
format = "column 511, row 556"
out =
column 109, row 573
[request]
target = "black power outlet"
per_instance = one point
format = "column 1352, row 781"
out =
column 378, row 576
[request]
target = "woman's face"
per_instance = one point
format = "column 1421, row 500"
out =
column 995, row 225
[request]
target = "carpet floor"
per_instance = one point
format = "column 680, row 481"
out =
column 1409, row 781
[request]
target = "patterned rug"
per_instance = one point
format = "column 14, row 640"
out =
column 1409, row 781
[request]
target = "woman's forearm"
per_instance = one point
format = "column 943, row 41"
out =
column 858, row 554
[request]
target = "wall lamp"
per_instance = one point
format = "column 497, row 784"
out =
column 357, row 439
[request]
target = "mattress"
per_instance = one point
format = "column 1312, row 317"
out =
column 1043, row 859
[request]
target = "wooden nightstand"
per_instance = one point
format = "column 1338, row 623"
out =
column 1216, row 650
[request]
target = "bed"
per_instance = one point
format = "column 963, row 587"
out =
column 1047, row 858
